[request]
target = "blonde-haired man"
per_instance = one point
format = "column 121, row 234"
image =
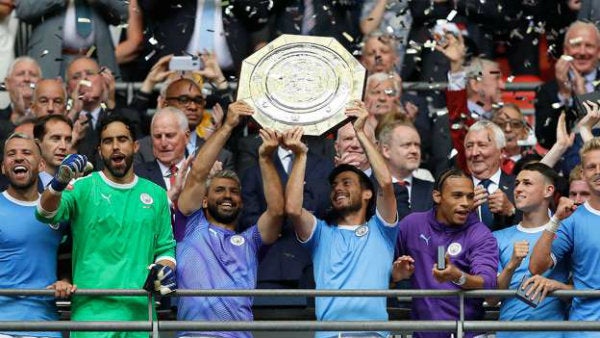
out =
column 573, row 234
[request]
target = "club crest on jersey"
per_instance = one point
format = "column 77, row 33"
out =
column 454, row 249
column 146, row 199
column 361, row 230
column 237, row 240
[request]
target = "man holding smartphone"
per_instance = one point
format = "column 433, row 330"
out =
column 470, row 260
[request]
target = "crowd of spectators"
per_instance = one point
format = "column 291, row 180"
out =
column 178, row 187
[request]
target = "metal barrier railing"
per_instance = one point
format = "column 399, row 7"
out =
column 155, row 326
column 129, row 88
column 418, row 86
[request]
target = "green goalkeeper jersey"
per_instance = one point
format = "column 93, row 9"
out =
column 118, row 231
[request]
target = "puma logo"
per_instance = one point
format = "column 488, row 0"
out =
column 426, row 239
column 106, row 197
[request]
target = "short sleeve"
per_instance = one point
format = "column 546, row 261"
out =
column 563, row 241
column 312, row 241
column 389, row 230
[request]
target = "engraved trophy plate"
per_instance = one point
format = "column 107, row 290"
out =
column 302, row 81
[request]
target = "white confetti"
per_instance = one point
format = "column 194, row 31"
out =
column 576, row 40
column 451, row 15
column 348, row 36
column 567, row 58
column 150, row 55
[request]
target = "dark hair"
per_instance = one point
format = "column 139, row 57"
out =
column 544, row 170
column 112, row 118
column 365, row 183
column 525, row 160
column 39, row 128
column 452, row 172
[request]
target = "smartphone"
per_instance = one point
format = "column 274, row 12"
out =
column 527, row 299
column 441, row 257
column 185, row 62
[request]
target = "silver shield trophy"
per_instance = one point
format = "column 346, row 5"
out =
column 302, row 81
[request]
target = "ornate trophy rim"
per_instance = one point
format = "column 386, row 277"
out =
column 304, row 81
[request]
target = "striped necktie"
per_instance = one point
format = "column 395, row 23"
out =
column 308, row 20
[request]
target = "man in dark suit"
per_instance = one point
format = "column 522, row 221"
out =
column 92, row 91
column 494, row 197
column 285, row 263
column 338, row 19
column 229, row 30
column 576, row 73
column 400, row 145
column 21, row 77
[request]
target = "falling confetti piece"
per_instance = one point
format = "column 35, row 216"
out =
column 348, row 36
column 556, row 105
column 153, row 41
column 576, row 40
column 44, row 53
column 451, row 15
column 567, row 58
column 90, row 51
column 84, row 20
column 150, row 55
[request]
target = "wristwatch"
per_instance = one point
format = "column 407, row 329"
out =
column 461, row 280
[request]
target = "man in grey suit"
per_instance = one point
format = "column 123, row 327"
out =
column 184, row 94
column 63, row 29
column 169, row 136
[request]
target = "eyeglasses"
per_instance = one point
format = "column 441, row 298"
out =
column 514, row 124
column 184, row 99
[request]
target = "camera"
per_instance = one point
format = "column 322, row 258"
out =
column 185, row 62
